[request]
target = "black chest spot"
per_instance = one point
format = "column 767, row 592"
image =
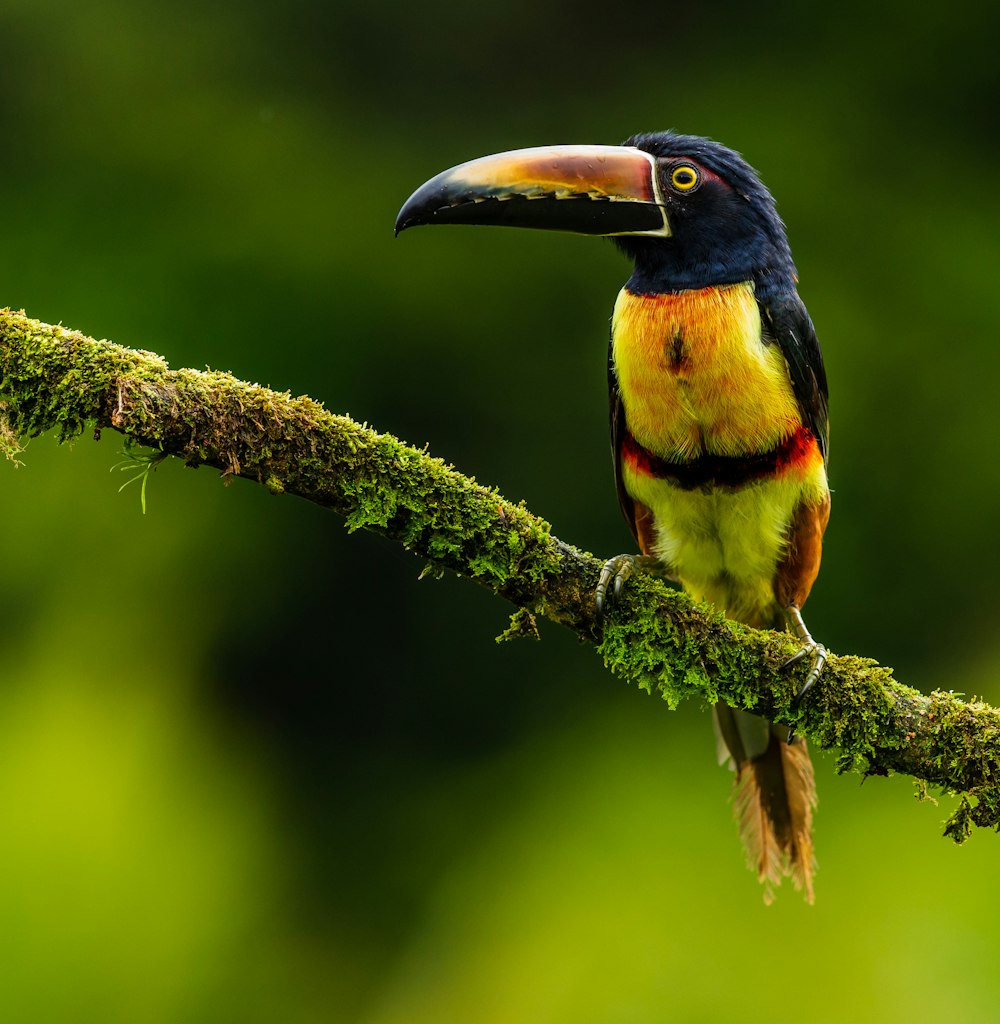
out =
column 676, row 352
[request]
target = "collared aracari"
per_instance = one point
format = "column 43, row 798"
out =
column 718, row 408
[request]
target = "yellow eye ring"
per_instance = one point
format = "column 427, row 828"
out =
column 684, row 178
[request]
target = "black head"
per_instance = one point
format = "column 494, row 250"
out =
column 724, row 227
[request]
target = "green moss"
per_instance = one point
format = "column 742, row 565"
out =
column 985, row 813
column 959, row 826
column 522, row 624
column 651, row 648
column 10, row 443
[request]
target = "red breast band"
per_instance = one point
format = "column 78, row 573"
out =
column 721, row 470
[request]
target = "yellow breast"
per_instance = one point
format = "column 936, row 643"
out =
column 696, row 376
column 724, row 546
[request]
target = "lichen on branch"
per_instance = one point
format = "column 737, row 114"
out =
column 52, row 378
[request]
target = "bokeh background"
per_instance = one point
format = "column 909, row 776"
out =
column 250, row 768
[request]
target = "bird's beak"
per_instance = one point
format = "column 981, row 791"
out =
column 590, row 190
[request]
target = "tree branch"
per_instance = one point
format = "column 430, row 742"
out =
column 654, row 637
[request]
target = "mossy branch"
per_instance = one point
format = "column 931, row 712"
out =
column 655, row 637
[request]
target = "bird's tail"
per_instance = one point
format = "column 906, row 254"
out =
column 773, row 798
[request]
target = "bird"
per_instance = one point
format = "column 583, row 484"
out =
column 718, row 410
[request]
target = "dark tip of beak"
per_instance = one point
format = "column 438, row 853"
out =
column 434, row 196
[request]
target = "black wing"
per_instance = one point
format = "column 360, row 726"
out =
column 618, row 429
column 786, row 321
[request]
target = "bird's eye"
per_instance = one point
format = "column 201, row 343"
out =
column 684, row 178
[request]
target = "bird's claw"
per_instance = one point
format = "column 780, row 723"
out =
column 614, row 574
column 815, row 652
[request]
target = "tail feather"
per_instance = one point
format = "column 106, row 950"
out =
column 801, row 788
column 774, row 797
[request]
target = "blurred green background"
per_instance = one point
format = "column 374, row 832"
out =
column 250, row 768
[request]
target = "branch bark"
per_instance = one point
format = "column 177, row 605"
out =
column 655, row 637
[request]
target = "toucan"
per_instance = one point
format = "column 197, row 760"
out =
column 718, row 400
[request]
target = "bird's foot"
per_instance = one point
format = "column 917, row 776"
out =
column 815, row 652
column 614, row 574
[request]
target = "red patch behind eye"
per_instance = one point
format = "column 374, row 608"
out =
column 704, row 173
